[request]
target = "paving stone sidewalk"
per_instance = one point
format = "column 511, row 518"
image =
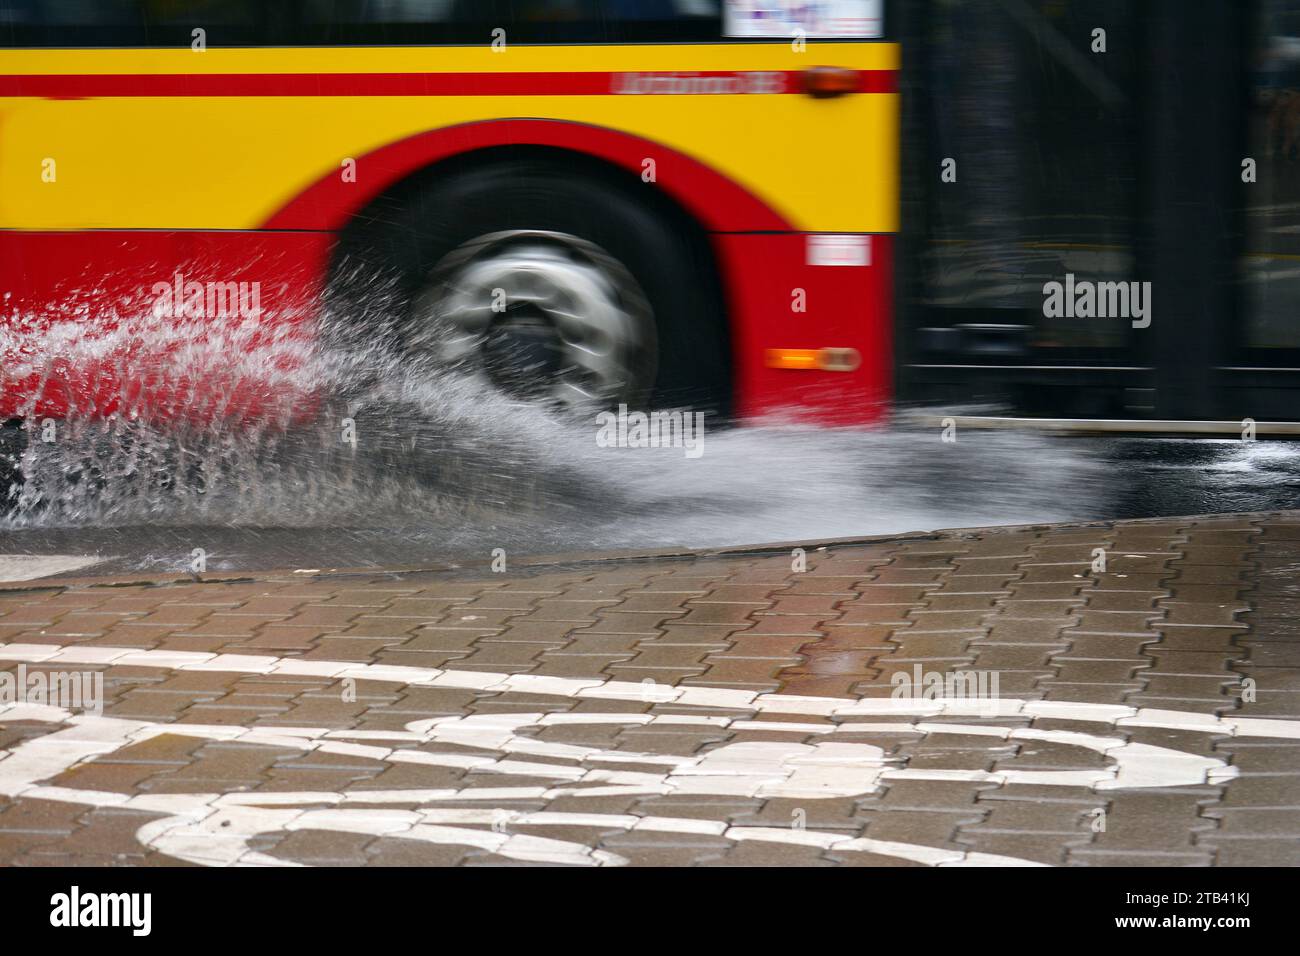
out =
column 708, row 709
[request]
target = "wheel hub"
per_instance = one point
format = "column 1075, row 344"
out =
column 522, row 355
column 543, row 316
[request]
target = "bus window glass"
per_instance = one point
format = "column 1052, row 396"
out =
column 523, row 20
column 1271, row 266
column 349, row 22
column 1031, row 163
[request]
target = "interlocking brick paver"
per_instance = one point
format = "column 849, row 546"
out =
column 1192, row 619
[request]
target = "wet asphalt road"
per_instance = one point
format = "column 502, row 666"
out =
column 1123, row 478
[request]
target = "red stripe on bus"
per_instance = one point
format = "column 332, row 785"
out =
column 85, row 86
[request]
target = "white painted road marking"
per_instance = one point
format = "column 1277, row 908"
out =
column 28, row 567
column 214, row 829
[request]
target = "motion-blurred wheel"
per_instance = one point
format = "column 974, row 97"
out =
column 554, row 283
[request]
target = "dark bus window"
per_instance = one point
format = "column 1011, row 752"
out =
column 1040, row 128
column 101, row 23
column 106, row 23
column 1271, row 266
column 524, row 21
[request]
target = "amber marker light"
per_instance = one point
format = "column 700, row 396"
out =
column 820, row 360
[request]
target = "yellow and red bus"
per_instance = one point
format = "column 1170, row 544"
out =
column 690, row 200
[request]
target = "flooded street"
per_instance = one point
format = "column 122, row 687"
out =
column 443, row 476
column 301, row 457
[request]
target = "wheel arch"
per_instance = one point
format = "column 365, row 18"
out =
column 575, row 164
column 711, row 198
column 733, row 206
column 617, row 164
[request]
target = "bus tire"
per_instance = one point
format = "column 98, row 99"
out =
column 451, row 249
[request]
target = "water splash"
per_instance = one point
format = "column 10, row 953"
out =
column 441, row 455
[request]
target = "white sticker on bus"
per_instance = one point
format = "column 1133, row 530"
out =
column 828, row 250
column 810, row 18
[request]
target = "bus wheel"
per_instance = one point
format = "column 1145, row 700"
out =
column 551, row 285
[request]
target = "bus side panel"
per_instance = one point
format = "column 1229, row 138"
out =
column 117, row 352
column 176, row 326
column 229, row 168
column 768, row 278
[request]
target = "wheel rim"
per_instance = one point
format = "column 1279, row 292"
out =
column 545, row 316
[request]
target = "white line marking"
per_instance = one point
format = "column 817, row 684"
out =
column 214, row 829
column 29, row 567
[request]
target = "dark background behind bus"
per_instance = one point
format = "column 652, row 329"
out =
column 1125, row 164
